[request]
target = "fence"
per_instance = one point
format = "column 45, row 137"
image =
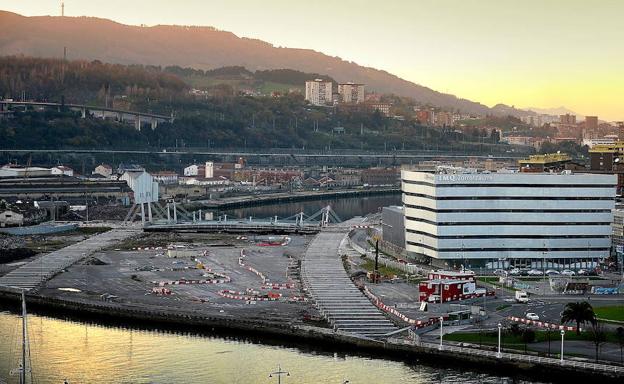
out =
column 528, row 358
column 407, row 268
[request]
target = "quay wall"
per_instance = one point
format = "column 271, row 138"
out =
column 128, row 314
column 255, row 200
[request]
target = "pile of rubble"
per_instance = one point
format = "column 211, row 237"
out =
column 11, row 242
column 13, row 248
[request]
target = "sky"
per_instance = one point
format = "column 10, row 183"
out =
column 526, row 53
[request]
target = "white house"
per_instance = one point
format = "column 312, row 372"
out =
column 104, row 170
column 194, row 170
column 62, row 170
column 9, row 217
column 143, row 186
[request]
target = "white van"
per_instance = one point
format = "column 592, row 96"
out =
column 522, row 297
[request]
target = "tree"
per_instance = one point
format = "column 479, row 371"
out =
column 528, row 336
column 619, row 334
column 548, row 337
column 580, row 312
column 598, row 335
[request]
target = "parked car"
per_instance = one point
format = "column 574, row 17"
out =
column 532, row 316
column 535, row 272
column 514, row 271
column 434, row 299
column 500, row 272
column 524, row 272
column 551, row 272
column 568, row 272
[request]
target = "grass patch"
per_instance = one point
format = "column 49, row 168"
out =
column 507, row 338
column 369, row 265
column 488, row 279
column 494, row 281
column 613, row 312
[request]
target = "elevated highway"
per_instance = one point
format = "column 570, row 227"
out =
column 104, row 112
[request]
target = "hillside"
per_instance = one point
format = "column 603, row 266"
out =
column 198, row 47
column 83, row 81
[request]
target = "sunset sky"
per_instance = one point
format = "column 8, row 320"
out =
column 539, row 53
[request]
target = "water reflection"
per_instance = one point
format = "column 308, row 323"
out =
column 91, row 353
column 346, row 208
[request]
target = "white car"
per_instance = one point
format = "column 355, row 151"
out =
column 532, row 316
column 514, row 272
column 568, row 272
column 552, row 272
column 535, row 272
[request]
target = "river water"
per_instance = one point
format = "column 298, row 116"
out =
column 345, row 208
column 95, row 353
column 92, row 353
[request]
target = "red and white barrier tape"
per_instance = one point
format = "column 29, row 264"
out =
column 541, row 324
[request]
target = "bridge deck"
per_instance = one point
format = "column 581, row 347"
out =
column 234, row 227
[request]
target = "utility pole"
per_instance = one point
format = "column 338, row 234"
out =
column 279, row 374
column 376, row 270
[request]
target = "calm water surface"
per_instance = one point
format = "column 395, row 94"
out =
column 89, row 353
column 345, row 208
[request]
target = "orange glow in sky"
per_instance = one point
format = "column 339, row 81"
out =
column 530, row 53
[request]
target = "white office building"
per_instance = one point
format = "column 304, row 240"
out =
column 319, row 92
column 499, row 220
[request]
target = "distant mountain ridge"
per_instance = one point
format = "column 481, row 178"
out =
column 553, row 111
column 198, row 47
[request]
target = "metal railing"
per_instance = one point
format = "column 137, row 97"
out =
column 526, row 358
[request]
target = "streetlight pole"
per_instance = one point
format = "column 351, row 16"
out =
column 498, row 354
column 544, row 265
column 441, row 320
column 562, row 335
column 279, row 374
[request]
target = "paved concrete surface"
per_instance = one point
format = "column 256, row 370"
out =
column 32, row 274
column 128, row 276
column 337, row 298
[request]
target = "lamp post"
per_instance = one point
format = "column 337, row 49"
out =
column 279, row 374
column 498, row 354
column 441, row 320
column 562, row 335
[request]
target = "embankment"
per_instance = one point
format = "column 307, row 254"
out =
column 282, row 197
column 128, row 315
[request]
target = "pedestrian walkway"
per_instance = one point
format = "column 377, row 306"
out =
column 342, row 304
column 34, row 273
